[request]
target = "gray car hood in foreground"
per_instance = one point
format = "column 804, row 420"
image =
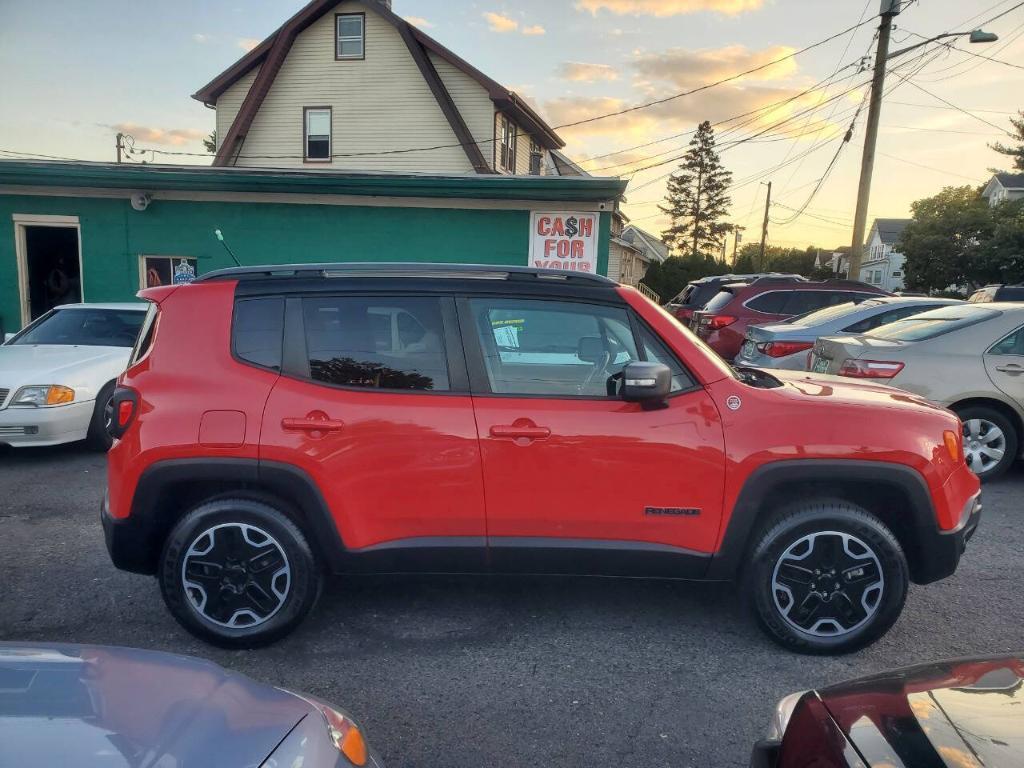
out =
column 103, row 707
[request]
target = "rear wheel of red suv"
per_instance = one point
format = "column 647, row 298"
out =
column 827, row 577
column 238, row 573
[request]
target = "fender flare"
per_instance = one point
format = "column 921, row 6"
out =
column 747, row 513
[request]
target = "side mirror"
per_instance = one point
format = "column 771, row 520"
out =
column 590, row 349
column 646, row 382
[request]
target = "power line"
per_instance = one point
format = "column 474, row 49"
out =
column 929, row 167
column 941, row 106
column 952, row 47
column 729, row 79
column 949, row 103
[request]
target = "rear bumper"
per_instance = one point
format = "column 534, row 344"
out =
column 25, row 427
column 940, row 551
column 725, row 341
column 130, row 540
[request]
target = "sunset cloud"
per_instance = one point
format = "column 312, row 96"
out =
column 418, row 21
column 662, row 8
column 582, row 72
column 146, row 134
column 499, row 23
column 536, row 29
column 685, row 68
column 248, row 43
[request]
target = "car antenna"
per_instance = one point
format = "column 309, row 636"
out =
column 220, row 236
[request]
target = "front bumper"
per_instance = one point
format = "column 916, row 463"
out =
column 940, row 551
column 130, row 541
column 25, row 427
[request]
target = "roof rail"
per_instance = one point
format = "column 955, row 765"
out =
column 780, row 279
column 402, row 269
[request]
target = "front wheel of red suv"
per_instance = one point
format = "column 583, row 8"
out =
column 827, row 577
column 238, row 573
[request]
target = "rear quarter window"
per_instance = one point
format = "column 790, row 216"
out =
column 258, row 330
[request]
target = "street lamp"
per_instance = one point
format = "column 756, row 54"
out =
column 890, row 8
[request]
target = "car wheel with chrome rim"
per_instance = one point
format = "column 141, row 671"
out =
column 238, row 573
column 990, row 441
column 827, row 577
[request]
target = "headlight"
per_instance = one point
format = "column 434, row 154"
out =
column 46, row 394
column 783, row 711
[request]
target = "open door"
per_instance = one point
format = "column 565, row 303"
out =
column 51, row 269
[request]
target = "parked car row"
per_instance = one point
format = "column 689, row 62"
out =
column 102, row 707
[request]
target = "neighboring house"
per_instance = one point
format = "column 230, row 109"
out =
column 626, row 262
column 639, row 249
column 837, row 261
column 353, row 86
column 1003, row 187
column 883, row 265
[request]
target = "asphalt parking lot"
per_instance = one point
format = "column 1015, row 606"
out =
column 498, row 672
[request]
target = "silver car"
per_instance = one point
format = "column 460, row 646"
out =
column 968, row 358
column 787, row 344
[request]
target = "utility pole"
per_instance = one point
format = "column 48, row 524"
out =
column 889, row 9
column 119, row 144
column 764, row 226
column 736, row 242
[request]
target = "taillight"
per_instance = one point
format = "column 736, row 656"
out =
column 869, row 369
column 783, row 348
column 720, row 321
column 124, row 407
column 345, row 734
column 684, row 313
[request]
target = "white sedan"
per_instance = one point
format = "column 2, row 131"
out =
column 57, row 375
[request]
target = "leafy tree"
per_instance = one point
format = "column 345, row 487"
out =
column 670, row 277
column 1017, row 152
column 1001, row 257
column 776, row 259
column 943, row 241
column 696, row 200
column 210, row 142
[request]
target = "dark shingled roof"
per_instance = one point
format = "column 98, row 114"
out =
column 1011, row 180
column 889, row 230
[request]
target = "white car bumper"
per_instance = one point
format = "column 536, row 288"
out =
column 22, row 427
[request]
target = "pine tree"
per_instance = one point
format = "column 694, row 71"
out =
column 696, row 199
column 1017, row 152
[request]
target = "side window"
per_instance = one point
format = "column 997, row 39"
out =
column 555, row 348
column 1009, row 345
column 257, row 331
column 771, row 303
column 655, row 351
column 884, row 318
column 801, row 302
column 376, row 342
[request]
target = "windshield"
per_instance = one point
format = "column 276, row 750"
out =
column 826, row 314
column 85, row 327
column 720, row 300
column 930, row 324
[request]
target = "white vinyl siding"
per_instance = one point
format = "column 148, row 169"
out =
column 378, row 103
column 230, row 102
column 523, row 140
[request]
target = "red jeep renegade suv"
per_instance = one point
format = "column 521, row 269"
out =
column 278, row 423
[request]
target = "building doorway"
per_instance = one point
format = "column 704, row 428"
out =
column 49, row 264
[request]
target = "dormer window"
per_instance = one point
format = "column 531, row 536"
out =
column 350, row 41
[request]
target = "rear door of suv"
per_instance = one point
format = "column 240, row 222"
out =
column 374, row 406
column 577, row 480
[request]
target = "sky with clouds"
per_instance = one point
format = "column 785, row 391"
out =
column 72, row 80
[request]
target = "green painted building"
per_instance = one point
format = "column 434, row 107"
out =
column 99, row 232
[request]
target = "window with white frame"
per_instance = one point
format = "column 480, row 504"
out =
column 351, row 36
column 317, row 134
column 155, row 271
column 508, row 145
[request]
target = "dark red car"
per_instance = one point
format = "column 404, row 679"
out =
column 279, row 423
column 724, row 320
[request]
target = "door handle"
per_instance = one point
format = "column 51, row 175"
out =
column 520, row 431
column 1011, row 368
column 312, row 425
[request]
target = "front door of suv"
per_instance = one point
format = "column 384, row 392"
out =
column 577, row 480
column 374, row 406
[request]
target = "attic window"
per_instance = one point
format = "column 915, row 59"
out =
column 351, row 36
column 508, row 145
column 317, row 138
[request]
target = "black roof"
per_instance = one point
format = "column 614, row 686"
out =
column 404, row 270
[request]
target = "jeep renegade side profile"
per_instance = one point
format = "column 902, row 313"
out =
column 278, row 423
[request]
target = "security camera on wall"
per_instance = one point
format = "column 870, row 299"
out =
column 141, row 200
